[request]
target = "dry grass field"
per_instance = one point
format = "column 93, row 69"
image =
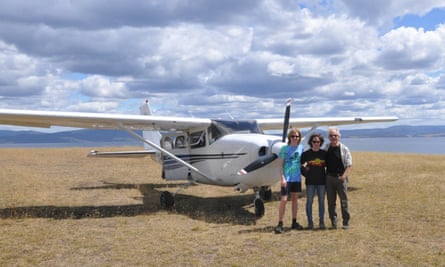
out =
column 60, row 208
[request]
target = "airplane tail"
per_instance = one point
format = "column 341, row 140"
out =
column 153, row 136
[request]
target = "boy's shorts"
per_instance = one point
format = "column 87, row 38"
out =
column 292, row 187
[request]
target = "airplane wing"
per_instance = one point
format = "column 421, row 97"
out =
column 46, row 119
column 273, row 124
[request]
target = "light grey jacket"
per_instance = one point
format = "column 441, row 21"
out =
column 346, row 156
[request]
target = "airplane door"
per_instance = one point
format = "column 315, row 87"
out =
column 177, row 144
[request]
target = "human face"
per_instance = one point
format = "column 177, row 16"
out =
column 315, row 143
column 294, row 138
column 334, row 137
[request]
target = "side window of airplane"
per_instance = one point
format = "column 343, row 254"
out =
column 197, row 139
column 180, row 142
column 214, row 134
column 167, row 143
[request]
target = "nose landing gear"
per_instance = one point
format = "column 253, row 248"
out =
column 261, row 193
column 259, row 207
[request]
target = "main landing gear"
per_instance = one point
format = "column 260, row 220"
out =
column 167, row 200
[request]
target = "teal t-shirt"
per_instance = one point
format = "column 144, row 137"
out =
column 291, row 156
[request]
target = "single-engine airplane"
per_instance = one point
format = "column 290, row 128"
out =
column 233, row 153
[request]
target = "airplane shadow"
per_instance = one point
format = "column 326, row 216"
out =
column 226, row 209
column 65, row 212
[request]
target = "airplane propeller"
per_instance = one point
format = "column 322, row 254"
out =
column 268, row 158
column 286, row 120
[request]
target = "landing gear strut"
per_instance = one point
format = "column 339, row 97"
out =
column 258, row 204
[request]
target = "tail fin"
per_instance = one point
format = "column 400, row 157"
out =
column 153, row 136
column 145, row 108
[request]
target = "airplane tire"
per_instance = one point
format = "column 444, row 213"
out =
column 259, row 207
column 266, row 193
column 167, row 200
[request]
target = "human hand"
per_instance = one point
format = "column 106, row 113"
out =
column 283, row 182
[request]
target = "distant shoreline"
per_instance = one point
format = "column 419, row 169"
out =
column 417, row 145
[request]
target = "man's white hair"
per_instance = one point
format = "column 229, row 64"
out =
column 334, row 129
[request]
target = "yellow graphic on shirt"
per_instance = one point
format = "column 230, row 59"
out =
column 316, row 162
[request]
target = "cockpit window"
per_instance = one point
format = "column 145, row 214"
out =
column 234, row 126
column 197, row 139
column 180, row 142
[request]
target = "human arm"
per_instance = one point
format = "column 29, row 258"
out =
column 345, row 173
column 347, row 161
column 283, row 181
column 304, row 164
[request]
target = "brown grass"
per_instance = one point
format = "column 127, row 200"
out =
column 59, row 207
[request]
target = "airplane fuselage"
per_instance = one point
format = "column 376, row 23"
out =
column 220, row 156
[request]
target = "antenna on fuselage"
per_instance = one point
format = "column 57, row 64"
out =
column 230, row 115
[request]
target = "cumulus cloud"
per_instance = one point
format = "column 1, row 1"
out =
column 408, row 48
column 222, row 58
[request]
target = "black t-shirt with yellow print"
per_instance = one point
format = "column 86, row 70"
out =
column 314, row 172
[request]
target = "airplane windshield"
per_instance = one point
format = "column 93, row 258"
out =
column 223, row 127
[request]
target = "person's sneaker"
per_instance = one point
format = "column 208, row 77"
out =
column 310, row 226
column 322, row 226
column 334, row 224
column 279, row 229
column 345, row 226
column 297, row 226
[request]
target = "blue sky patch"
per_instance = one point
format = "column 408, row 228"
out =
column 428, row 22
column 75, row 76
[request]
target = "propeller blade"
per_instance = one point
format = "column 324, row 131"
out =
column 260, row 162
column 286, row 120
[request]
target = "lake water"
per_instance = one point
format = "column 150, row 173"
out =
column 421, row 145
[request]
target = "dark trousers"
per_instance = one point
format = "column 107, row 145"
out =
column 334, row 186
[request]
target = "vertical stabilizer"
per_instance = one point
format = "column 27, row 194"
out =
column 153, row 136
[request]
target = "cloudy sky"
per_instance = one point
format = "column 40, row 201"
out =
column 223, row 59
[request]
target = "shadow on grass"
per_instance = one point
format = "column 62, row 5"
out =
column 60, row 212
column 226, row 209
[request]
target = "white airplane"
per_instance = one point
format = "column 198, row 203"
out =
column 233, row 153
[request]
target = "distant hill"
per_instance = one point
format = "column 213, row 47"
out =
column 76, row 136
column 398, row 131
column 118, row 136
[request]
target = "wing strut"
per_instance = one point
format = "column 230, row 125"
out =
column 157, row 147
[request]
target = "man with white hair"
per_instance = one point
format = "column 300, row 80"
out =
column 338, row 165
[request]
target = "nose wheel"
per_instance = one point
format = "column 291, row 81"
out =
column 259, row 207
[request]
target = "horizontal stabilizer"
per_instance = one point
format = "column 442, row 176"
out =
column 121, row 154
